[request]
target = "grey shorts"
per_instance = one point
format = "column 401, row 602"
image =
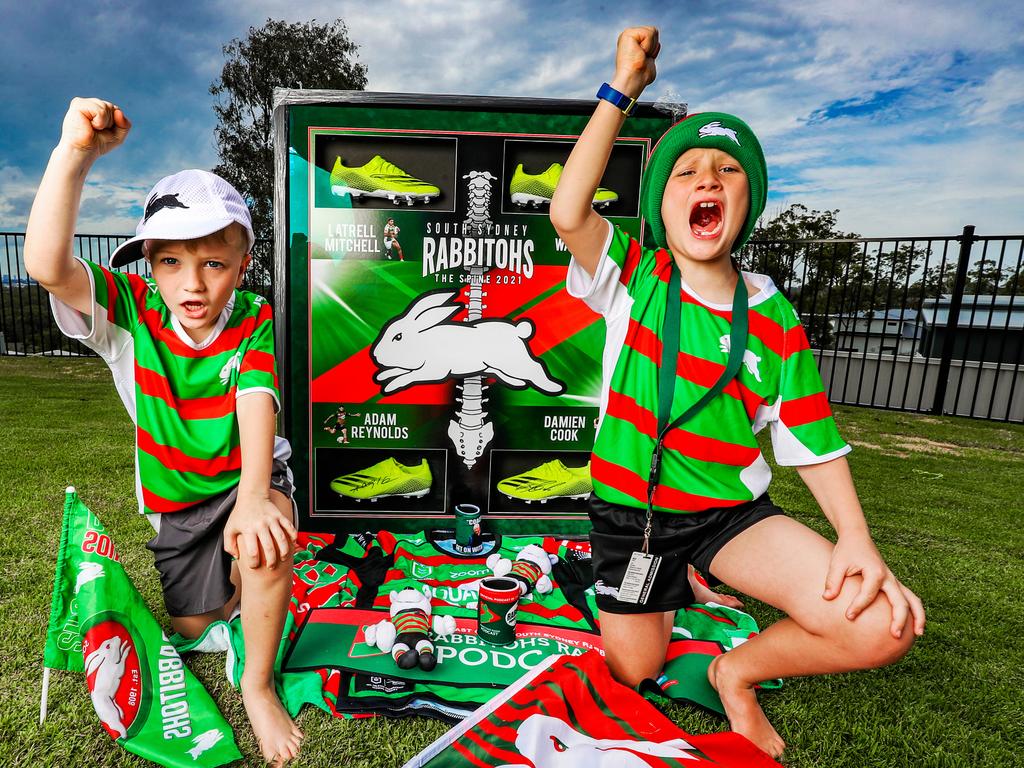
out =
column 188, row 550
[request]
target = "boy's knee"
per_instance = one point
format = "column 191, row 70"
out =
column 889, row 649
column 632, row 668
column 869, row 641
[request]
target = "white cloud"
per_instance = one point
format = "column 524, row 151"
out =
column 922, row 189
column 16, row 195
column 990, row 101
column 941, row 149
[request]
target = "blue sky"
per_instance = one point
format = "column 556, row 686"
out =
column 906, row 116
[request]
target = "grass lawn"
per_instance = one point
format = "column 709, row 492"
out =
column 942, row 495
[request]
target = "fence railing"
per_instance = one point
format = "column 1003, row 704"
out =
column 925, row 324
column 26, row 323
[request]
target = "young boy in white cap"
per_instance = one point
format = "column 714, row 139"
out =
column 698, row 359
column 193, row 360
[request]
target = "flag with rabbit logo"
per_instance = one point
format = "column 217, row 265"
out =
column 145, row 697
column 569, row 713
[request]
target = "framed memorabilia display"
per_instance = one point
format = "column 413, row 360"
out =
column 430, row 356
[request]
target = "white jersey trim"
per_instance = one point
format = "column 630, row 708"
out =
column 606, row 295
column 187, row 340
column 765, row 290
column 251, row 390
column 115, row 345
column 790, row 452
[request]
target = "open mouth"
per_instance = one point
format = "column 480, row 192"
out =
column 193, row 307
column 706, row 219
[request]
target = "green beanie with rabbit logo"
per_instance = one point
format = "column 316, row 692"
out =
column 710, row 130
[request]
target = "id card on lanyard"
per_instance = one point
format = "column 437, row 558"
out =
column 643, row 566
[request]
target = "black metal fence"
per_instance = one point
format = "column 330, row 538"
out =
column 26, row 323
column 933, row 325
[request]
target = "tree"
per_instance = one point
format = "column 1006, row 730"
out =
column 820, row 278
column 984, row 279
column 1014, row 285
column 775, row 253
column 278, row 54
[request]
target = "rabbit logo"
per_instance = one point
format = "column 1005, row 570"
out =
column 717, row 129
column 205, row 741
column 750, row 360
column 234, row 363
column 113, row 674
column 420, row 347
column 549, row 742
column 88, row 571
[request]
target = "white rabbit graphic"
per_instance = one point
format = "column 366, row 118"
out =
column 420, row 347
column 232, row 364
column 205, row 741
column 551, row 743
column 108, row 662
column 601, row 588
column 717, row 129
column 87, row 572
column 750, row 360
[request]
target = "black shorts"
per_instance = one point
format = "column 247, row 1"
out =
column 188, row 550
column 680, row 540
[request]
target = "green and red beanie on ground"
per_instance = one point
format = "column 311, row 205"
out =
column 710, row 130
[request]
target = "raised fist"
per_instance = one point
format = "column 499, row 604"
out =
column 94, row 126
column 634, row 57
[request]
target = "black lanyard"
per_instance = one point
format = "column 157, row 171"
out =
column 667, row 373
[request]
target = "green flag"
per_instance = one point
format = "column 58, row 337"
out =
column 146, row 698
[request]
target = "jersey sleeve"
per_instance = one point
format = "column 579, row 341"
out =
column 803, row 430
column 257, row 371
column 622, row 265
column 117, row 299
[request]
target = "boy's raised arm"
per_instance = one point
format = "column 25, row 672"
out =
column 92, row 128
column 581, row 228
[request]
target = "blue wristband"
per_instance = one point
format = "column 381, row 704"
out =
column 617, row 98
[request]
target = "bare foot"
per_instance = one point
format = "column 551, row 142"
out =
column 277, row 735
column 745, row 715
column 702, row 594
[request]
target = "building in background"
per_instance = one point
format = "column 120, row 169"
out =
column 989, row 328
column 892, row 332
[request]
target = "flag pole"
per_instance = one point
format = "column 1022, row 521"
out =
column 44, row 697
column 46, row 690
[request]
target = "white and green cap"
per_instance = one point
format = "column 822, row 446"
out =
column 184, row 206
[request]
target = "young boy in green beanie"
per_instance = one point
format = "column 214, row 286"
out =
column 700, row 357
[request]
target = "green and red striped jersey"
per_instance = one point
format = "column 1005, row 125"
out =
column 713, row 460
column 180, row 394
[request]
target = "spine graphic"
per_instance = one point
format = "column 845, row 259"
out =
column 469, row 430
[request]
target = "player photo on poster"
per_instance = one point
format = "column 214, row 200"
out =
column 446, row 363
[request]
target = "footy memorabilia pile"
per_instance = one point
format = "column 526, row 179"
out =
column 348, row 589
column 380, row 623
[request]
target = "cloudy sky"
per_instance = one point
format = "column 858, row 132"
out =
column 905, row 116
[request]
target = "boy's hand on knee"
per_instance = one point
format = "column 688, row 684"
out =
column 258, row 532
column 94, row 127
column 858, row 556
column 635, row 53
